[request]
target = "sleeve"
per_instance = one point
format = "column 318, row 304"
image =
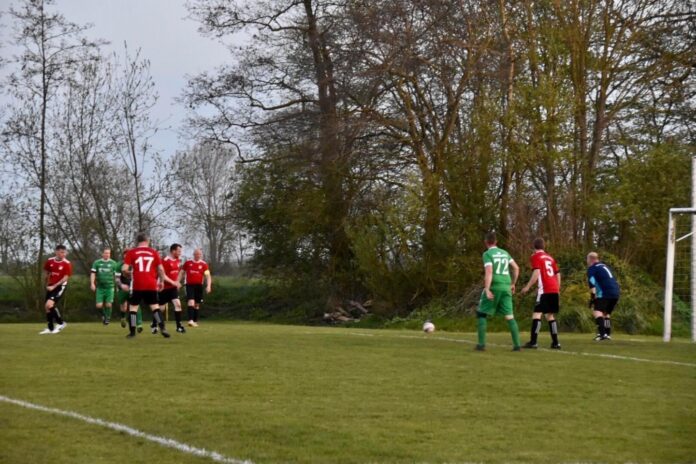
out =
column 128, row 260
column 590, row 278
column 45, row 266
column 69, row 270
column 556, row 269
column 94, row 267
column 487, row 261
column 534, row 262
column 117, row 269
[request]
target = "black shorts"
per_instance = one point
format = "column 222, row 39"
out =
column 146, row 297
column 547, row 303
column 56, row 294
column 167, row 295
column 194, row 292
column 605, row 305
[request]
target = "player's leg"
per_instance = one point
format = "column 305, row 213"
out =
column 108, row 303
column 177, row 315
column 190, row 304
column 123, row 306
column 48, row 306
column 133, row 308
column 139, row 319
column 598, row 314
column 57, row 317
column 99, row 303
column 198, row 299
column 551, row 307
column 536, row 325
column 486, row 308
column 504, row 306
column 608, row 309
column 157, row 316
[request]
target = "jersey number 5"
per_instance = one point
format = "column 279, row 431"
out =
column 549, row 268
column 144, row 263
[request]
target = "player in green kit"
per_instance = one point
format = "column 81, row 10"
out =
column 102, row 282
column 499, row 286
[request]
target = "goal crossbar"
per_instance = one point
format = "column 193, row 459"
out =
column 669, row 274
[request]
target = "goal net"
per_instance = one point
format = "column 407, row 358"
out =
column 680, row 276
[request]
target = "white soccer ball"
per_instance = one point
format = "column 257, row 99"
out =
column 428, row 327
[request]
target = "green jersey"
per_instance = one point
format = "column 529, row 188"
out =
column 105, row 272
column 500, row 260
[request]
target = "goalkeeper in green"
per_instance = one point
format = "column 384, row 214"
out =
column 102, row 277
column 499, row 286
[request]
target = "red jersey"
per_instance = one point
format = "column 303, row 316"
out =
column 171, row 268
column 547, row 272
column 195, row 270
column 57, row 269
column 143, row 262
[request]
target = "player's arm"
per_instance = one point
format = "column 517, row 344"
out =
column 488, row 280
column 180, row 277
column 163, row 277
column 558, row 279
column 534, row 278
column 63, row 280
column 208, row 280
column 593, row 290
column 515, row 274
column 93, row 278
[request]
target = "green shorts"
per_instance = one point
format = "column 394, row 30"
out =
column 500, row 305
column 105, row 295
column 123, row 296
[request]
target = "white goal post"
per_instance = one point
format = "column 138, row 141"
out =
column 672, row 241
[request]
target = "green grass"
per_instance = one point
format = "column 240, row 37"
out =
column 322, row 395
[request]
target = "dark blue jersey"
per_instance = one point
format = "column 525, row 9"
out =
column 600, row 277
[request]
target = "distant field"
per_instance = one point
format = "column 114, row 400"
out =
column 320, row 395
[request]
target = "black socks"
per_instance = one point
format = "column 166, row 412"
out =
column 600, row 326
column 132, row 321
column 607, row 325
column 157, row 316
column 536, row 327
column 191, row 311
column 49, row 319
column 177, row 317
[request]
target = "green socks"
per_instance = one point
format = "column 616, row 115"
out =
column 140, row 317
column 514, row 331
column 107, row 312
column 482, row 324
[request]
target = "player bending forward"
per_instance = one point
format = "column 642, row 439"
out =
column 170, row 293
column 102, row 282
column 196, row 271
column 497, row 292
column 546, row 274
column 145, row 265
column 58, row 271
column 604, row 294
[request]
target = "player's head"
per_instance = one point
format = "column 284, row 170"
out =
column 106, row 254
column 142, row 237
column 592, row 257
column 175, row 250
column 491, row 239
column 61, row 251
column 539, row 244
column 197, row 254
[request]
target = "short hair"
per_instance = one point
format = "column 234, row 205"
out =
column 491, row 238
column 106, row 248
column 539, row 244
column 593, row 256
column 174, row 246
column 142, row 237
column 60, row 247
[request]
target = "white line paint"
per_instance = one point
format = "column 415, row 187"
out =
column 565, row 352
column 166, row 442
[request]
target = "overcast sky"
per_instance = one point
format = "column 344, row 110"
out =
column 168, row 38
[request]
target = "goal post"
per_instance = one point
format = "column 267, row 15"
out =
column 673, row 239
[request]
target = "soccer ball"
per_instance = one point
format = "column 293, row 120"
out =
column 428, row 327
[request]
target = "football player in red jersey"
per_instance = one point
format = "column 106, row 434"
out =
column 58, row 271
column 546, row 274
column 145, row 266
column 196, row 271
column 169, row 293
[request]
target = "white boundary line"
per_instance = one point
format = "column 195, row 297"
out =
column 166, row 442
column 469, row 342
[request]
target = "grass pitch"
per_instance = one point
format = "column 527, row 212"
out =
column 322, row 395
